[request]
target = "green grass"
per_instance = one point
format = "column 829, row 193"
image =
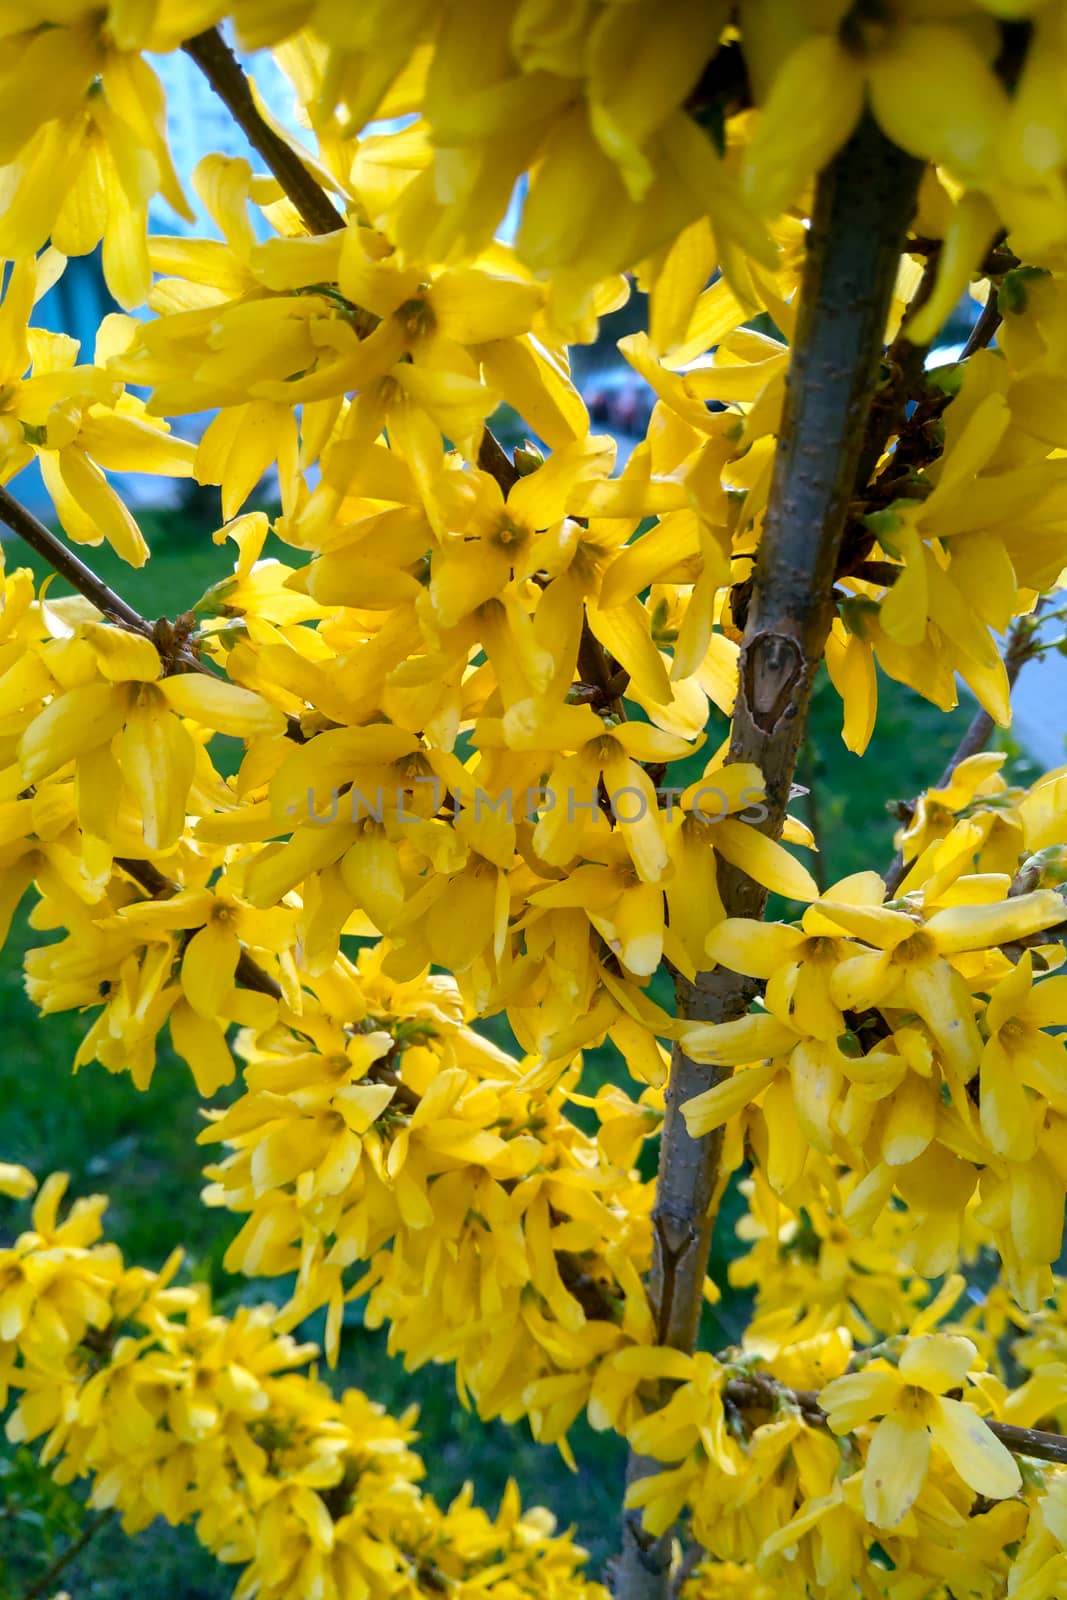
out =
column 140, row 1149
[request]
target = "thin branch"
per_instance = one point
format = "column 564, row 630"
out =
column 176, row 656
column 985, row 328
column 761, row 1392
column 46, row 1582
column 904, row 363
column 1018, row 651
column 223, row 71
column 689, row 1563
column 1037, row 1443
column 80, row 577
column 249, row 973
column 997, row 260
column 226, row 76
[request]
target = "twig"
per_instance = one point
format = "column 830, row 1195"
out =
column 249, row 973
column 985, row 327
column 45, row 1583
column 80, row 577
column 918, row 436
column 223, row 71
column 759, row 1392
column 904, row 362
column 997, row 260
column 1017, row 652
column 226, row 76
column 1034, row 1442
column 694, row 1555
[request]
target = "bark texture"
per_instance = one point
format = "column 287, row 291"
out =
column 864, row 203
column 226, row 76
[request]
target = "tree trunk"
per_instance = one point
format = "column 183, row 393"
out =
column 863, row 205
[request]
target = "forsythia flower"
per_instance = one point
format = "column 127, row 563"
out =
column 455, row 746
column 172, row 1409
column 916, row 1414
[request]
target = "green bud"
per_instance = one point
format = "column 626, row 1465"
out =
column 528, row 458
column 1012, row 295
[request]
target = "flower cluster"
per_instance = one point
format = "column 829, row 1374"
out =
column 455, row 746
column 806, row 1458
column 128, row 1378
column 401, row 1143
column 916, row 1042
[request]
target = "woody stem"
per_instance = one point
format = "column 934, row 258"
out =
column 226, row 76
column 864, row 201
column 69, row 566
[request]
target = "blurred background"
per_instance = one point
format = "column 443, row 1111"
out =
column 140, row 1148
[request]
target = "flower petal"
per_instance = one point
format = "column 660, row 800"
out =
column 859, row 1396
column 756, row 949
column 226, row 707
column 764, row 859
column 718, row 1104
column 895, row 1469
column 72, row 724
column 982, row 1461
column 938, row 1361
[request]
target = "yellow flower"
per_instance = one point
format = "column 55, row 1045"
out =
column 797, row 963
column 916, row 1413
column 1019, row 1055
column 908, row 964
column 126, row 725
column 85, row 153
column 16, row 1181
column 957, row 125
column 74, row 418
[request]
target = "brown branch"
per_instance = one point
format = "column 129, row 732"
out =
column 249, row 973
column 919, row 441
column 760, row 1392
column 1020, row 647
column 69, row 566
column 46, row 1582
column 905, row 364
column 997, row 260
column 227, row 77
column 864, row 201
column 693, row 1558
column 1037, row 1443
column 175, row 655
column 985, row 328
column 224, row 73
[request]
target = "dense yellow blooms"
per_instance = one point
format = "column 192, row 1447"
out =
column 452, row 750
column 170, row 1409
